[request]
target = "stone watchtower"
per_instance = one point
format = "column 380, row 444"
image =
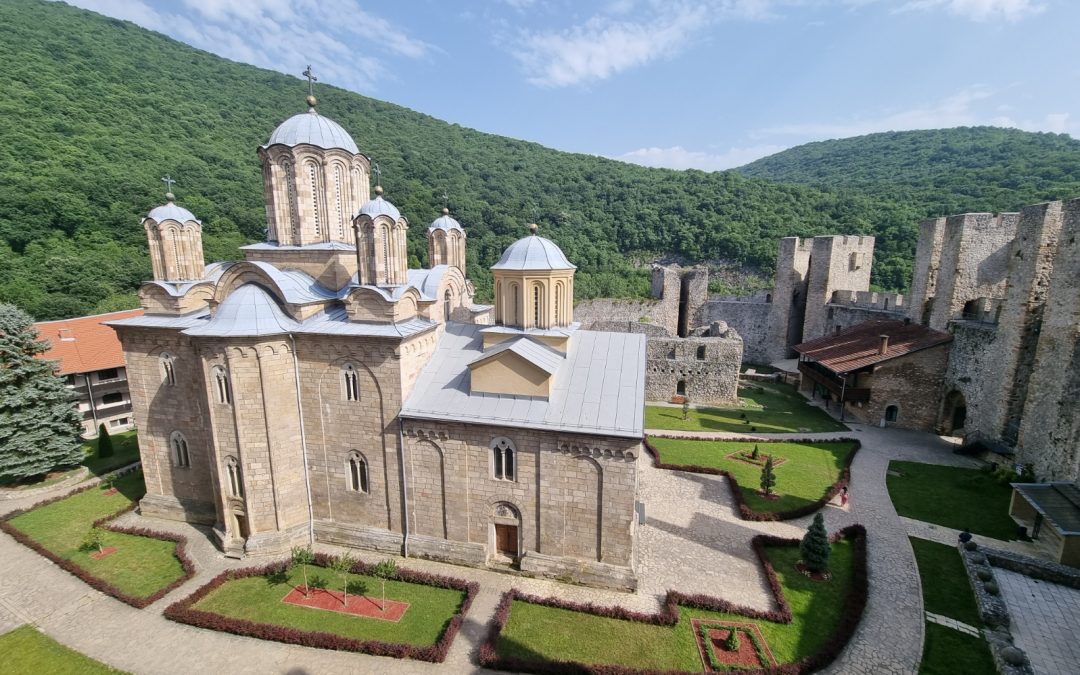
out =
column 446, row 242
column 534, row 285
column 174, row 236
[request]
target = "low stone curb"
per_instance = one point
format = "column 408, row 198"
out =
column 1008, row 658
column 73, row 479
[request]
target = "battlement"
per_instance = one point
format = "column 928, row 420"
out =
column 985, row 310
column 893, row 302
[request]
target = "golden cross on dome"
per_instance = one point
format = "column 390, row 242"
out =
column 311, row 80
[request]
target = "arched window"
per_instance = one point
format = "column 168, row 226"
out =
column 294, row 215
column 168, row 374
column 517, row 313
column 358, row 472
column 536, row 306
column 558, row 304
column 503, row 459
column 313, row 175
column 178, row 445
column 446, row 305
column 386, row 254
column 680, row 388
column 701, row 353
column 221, row 385
column 234, row 479
column 339, row 208
column 768, row 297
column 891, row 413
column 351, row 382
column 853, row 262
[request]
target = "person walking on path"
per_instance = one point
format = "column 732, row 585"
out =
column 843, row 497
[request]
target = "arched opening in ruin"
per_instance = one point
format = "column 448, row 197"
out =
column 891, row 413
column 684, row 309
column 701, row 353
column 886, row 305
column 971, row 310
column 768, row 297
column 680, row 388
column 954, row 413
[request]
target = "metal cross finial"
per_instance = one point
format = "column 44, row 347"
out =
column 378, row 173
column 168, row 180
column 446, row 199
column 311, row 80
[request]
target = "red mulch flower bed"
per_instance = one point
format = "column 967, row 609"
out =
column 110, row 492
column 357, row 605
column 753, row 652
column 98, row 555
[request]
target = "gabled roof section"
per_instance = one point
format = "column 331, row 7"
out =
column 84, row 344
column 541, row 356
column 860, row 346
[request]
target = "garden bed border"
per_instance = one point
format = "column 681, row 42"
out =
column 745, row 512
column 97, row 583
column 182, row 611
column 850, row 615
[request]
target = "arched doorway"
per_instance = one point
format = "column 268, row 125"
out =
column 954, row 413
column 505, row 533
column 892, row 412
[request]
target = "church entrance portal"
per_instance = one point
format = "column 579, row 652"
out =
column 506, row 540
column 505, row 546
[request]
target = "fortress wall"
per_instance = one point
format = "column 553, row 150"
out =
column 590, row 312
column 927, row 264
column 974, row 262
column 749, row 319
column 712, row 379
column 870, row 300
column 789, row 297
column 840, row 317
column 974, row 352
column 836, row 262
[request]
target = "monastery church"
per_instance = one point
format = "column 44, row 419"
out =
column 320, row 390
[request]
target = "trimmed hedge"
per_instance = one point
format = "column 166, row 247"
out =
column 89, row 579
column 854, row 604
column 745, row 512
column 183, row 611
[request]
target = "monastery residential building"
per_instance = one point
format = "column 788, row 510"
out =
column 90, row 359
column 320, row 390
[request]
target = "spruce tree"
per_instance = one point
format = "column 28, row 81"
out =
column 104, row 442
column 768, row 477
column 814, row 547
column 39, row 425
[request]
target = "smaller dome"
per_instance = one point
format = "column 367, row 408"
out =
column 533, row 253
column 248, row 311
column 171, row 211
column 446, row 223
column 311, row 128
column 380, row 207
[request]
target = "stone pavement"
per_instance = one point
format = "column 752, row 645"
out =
column 943, row 620
column 692, row 541
column 1045, row 621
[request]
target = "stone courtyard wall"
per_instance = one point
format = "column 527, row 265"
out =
column 973, row 354
column 713, row 378
column 749, row 319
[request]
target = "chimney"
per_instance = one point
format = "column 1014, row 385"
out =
column 66, row 335
column 884, row 347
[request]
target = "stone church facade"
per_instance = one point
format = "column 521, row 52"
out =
column 319, row 390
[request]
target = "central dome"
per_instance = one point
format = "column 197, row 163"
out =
column 311, row 128
column 533, row 253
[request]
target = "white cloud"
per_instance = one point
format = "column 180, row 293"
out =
column 678, row 157
column 283, row 35
column 979, row 10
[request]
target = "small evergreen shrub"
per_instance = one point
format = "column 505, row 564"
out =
column 732, row 642
column 104, row 442
column 768, row 476
column 814, row 547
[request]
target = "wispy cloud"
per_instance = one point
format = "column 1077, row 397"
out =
column 979, row 10
column 678, row 157
column 284, row 35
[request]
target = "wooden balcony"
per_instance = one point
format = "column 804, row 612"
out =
column 833, row 383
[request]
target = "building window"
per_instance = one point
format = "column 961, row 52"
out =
column 503, row 459
column 107, row 374
column 112, row 398
column 351, row 382
column 701, row 353
column 536, row 306
column 290, row 190
column 768, row 297
column 386, row 254
column 853, row 262
column 235, row 480
column 120, row 422
column 446, row 306
column 680, row 388
column 221, row 385
column 891, row 413
column 517, row 313
column 558, row 292
column 358, row 472
column 168, row 374
column 180, row 456
column 313, row 174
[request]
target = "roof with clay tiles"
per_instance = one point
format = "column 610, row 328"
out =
column 84, row 344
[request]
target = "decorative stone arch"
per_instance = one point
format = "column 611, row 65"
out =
column 357, row 473
column 504, row 459
column 505, row 536
column 220, row 385
column 178, row 450
column 592, row 547
column 331, row 381
column 167, row 365
column 427, row 477
column 337, row 181
column 242, row 273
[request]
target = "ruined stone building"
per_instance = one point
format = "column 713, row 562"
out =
column 319, row 390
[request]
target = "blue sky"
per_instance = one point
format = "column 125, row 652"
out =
column 708, row 84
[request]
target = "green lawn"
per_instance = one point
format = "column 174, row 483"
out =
column 125, row 451
column 950, row 652
column 535, row 632
column 140, row 565
column 259, row 599
column 768, row 407
column 810, row 469
column 25, row 650
column 952, row 496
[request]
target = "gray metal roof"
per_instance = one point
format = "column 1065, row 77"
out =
column 379, row 207
column 445, row 222
column 196, row 318
column 248, row 311
column 299, row 288
column 336, row 322
column 321, row 246
column 557, row 331
column 533, row 253
column 211, row 274
column 311, row 128
column 598, row 389
column 543, row 357
column 171, row 211
column 1059, row 503
column 427, row 281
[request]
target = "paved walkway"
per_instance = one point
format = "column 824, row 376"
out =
column 1045, row 620
column 692, row 541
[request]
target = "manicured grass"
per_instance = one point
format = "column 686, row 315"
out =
column 260, row 599
column 139, row 567
column 810, row 470
column 25, row 650
column 537, row 632
column 945, row 585
column 125, row 451
column 769, row 407
column 953, row 497
column 950, row 652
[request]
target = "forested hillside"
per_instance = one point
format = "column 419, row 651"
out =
column 942, row 171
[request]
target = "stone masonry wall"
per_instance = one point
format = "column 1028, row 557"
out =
column 712, row 378
column 836, row 263
column 908, row 383
column 927, row 264
column 840, row 317
column 749, row 319
column 973, row 354
column 974, row 263
column 789, row 297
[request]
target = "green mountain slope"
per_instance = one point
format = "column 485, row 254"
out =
column 943, row 171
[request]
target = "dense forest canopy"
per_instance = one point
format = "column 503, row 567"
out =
column 96, row 110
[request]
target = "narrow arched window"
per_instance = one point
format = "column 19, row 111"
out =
column 351, row 382
column 446, row 305
column 536, row 306
column 339, row 208
column 358, row 472
column 179, row 446
column 222, row 390
column 168, row 373
column 386, row 254
column 558, row 314
column 517, row 311
column 316, row 204
column 290, row 189
column 503, row 459
column 234, row 479
column 701, row 353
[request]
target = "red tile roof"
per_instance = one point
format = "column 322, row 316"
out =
column 859, row 346
column 84, row 345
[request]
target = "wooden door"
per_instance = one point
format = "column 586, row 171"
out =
column 506, row 540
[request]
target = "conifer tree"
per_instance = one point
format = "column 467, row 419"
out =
column 814, row 547
column 39, row 426
column 768, row 477
column 104, row 442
